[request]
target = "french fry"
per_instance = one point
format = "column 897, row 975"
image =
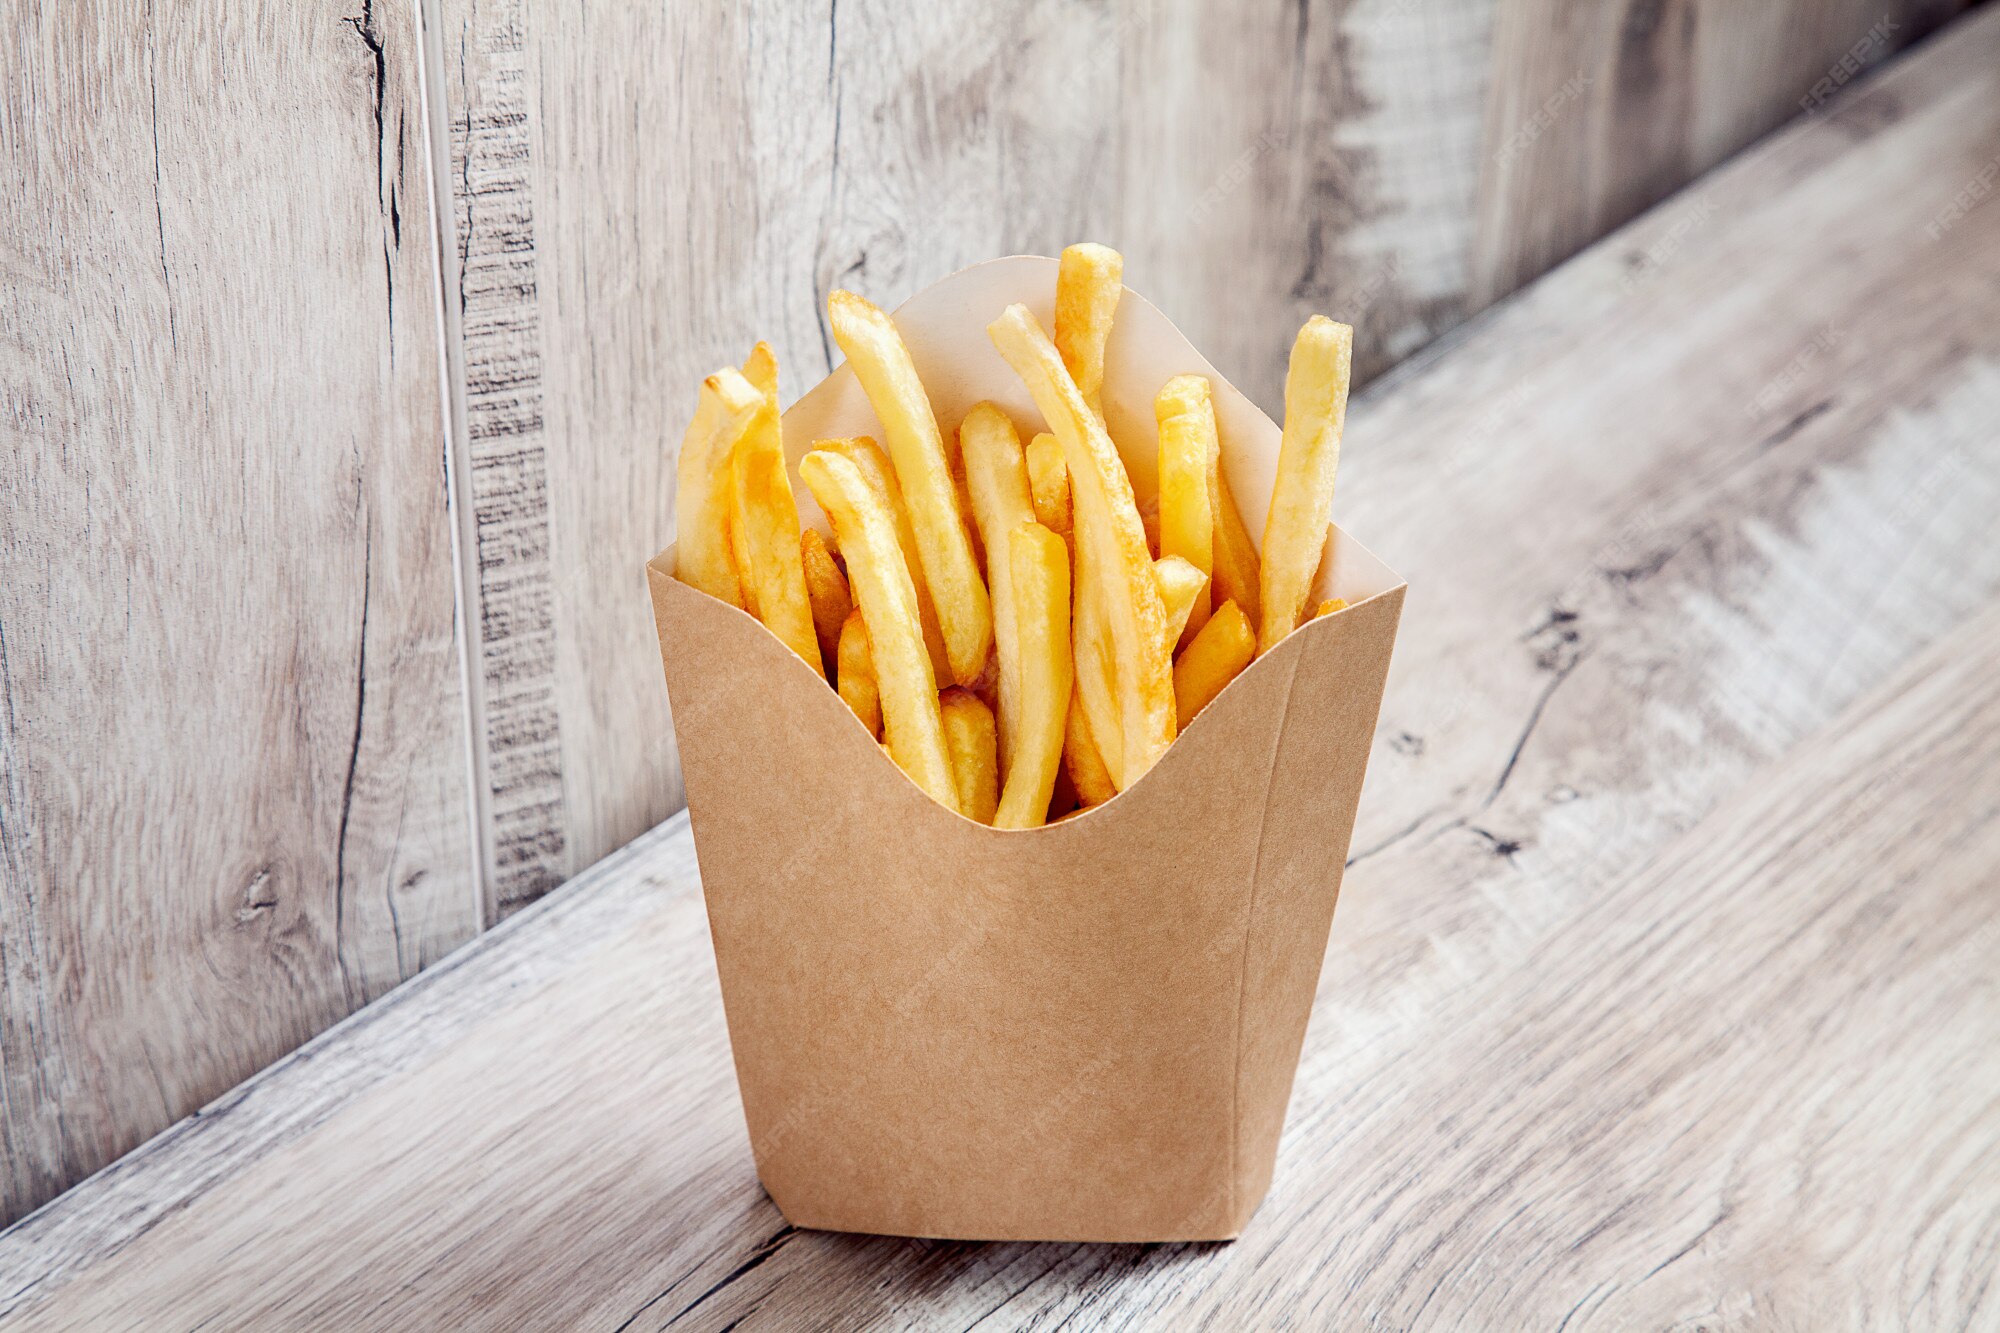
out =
column 1111, row 544
column 1048, row 483
column 1302, row 498
column 1039, row 588
column 761, row 369
column 739, row 532
column 703, row 558
column 882, row 363
column 970, row 739
column 826, row 588
column 764, row 523
column 1089, row 281
column 856, row 674
column 1181, row 586
column 955, row 457
column 888, row 600
column 996, row 476
column 867, row 455
column 1224, row 647
column 1188, row 454
column 1327, row 608
column 770, row 520
column 1235, row 576
column 1083, row 763
column 1096, row 686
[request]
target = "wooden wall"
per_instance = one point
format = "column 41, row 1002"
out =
column 268, row 743
column 232, row 733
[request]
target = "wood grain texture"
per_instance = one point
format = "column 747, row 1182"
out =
column 1658, row 992
column 232, row 801
column 492, row 322
column 1598, row 111
column 651, row 189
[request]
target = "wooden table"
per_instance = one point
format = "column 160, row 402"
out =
column 1663, row 987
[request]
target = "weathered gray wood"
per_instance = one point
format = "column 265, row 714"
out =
column 232, row 741
column 643, row 191
column 493, row 334
column 1599, row 110
column 427, row 1017
column 1656, row 988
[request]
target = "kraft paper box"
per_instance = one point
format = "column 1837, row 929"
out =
column 1080, row 1032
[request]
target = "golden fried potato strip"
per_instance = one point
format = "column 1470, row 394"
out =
column 703, row 556
column 1235, row 575
column 888, row 599
column 1181, row 587
column 1224, row 647
column 1188, row 454
column 996, row 476
column 826, row 588
column 856, row 674
column 1302, row 499
column 1082, row 761
column 970, row 739
column 1039, row 588
column 1089, row 281
column 880, row 473
column 1048, row 483
column 1110, row 545
column 764, row 523
column 888, row 376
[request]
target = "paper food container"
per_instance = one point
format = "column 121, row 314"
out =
column 1081, row 1032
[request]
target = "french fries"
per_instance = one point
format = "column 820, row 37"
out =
column 1218, row 654
column 910, row 720
column 970, row 738
column 1110, row 541
column 856, row 674
column 761, row 369
column 1039, row 589
column 1048, row 483
column 1089, row 281
column 1235, row 576
column 1021, row 631
column 875, row 467
column 826, row 587
column 1096, row 688
column 1302, row 500
column 1181, row 587
column 1083, row 763
column 764, row 523
column 996, row 476
column 882, row 363
column 1188, row 457
column 704, row 556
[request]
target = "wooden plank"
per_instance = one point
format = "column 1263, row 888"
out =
column 492, row 320
column 640, row 193
column 1782, row 610
column 232, row 742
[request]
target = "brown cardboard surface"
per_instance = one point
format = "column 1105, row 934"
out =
column 1081, row 1032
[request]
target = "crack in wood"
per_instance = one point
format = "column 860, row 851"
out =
column 353, row 758
column 765, row 1249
